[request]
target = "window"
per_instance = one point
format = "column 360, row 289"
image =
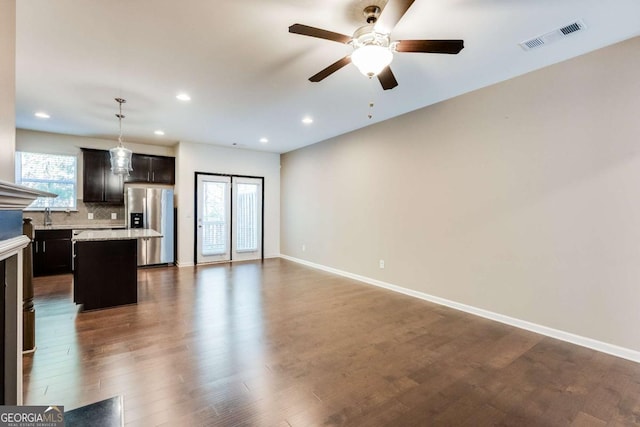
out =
column 53, row 173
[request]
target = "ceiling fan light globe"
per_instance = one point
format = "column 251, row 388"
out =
column 371, row 59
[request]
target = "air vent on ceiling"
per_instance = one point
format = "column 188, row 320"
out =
column 554, row 35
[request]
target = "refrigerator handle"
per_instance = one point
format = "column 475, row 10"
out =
column 145, row 217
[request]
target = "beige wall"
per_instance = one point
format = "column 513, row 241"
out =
column 192, row 157
column 522, row 198
column 7, row 88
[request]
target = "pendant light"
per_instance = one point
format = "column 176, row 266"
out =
column 120, row 156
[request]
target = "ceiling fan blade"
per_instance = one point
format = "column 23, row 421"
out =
column 330, row 69
column 391, row 15
column 430, row 46
column 387, row 79
column 306, row 30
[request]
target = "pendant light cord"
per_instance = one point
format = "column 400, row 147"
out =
column 120, row 117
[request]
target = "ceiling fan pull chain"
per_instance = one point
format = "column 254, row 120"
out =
column 372, row 97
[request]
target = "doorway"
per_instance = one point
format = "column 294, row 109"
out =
column 229, row 218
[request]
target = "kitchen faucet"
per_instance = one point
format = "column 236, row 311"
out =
column 47, row 216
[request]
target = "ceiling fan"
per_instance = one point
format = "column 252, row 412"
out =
column 372, row 46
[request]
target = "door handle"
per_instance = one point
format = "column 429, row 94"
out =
column 44, row 246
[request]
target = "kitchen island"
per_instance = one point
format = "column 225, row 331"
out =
column 105, row 267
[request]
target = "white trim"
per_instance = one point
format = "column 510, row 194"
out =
column 13, row 319
column 191, row 264
column 603, row 347
column 10, row 247
column 184, row 264
column 17, row 197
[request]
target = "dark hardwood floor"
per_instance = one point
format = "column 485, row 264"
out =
column 280, row 344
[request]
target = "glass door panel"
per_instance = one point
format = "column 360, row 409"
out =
column 229, row 218
column 213, row 219
column 247, row 215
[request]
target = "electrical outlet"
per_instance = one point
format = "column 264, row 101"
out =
column 381, row 263
column 114, row 215
column 304, row 247
column 90, row 215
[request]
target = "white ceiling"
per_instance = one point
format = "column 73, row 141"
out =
column 247, row 75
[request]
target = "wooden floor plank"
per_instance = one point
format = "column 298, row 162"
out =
column 275, row 343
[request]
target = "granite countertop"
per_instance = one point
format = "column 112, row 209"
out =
column 78, row 226
column 126, row 234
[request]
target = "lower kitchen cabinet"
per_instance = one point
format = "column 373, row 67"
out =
column 52, row 253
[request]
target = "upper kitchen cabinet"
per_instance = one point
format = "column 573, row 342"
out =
column 152, row 169
column 100, row 184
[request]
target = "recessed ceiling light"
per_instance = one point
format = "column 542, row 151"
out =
column 183, row 97
column 42, row 115
column 307, row 120
column 159, row 132
column 264, row 140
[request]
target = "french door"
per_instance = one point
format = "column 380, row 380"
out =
column 228, row 218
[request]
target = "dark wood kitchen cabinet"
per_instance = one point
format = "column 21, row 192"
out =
column 152, row 169
column 100, row 184
column 52, row 252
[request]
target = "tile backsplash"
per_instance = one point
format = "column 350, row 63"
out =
column 101, row 215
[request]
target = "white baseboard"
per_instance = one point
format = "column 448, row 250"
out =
column 603, row 347
column 184, row 264
column 191, row 264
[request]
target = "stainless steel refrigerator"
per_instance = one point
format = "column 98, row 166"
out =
column 151, row 207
